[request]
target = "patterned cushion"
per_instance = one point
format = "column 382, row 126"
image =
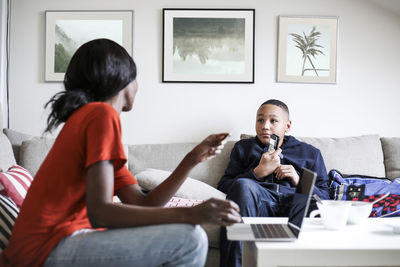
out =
column 368, row 189
column 15, row 183
column 182, row 202
column 8, row 215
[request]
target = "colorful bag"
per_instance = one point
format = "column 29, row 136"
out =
column 367, row 188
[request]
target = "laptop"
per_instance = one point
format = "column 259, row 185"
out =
column 280, row 231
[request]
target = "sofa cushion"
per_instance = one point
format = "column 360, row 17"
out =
column 361, row 155
column 8, row 214
column 213, row 234
column 159, row 156
column 15, row 183
column 190, row 189
column 354, row 155
column 391, row 152
column 16, row 139
column 33, row 152
column 6, row 153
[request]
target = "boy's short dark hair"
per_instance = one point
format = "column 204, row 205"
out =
column 278, row 103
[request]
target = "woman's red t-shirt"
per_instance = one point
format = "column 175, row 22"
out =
column 55, row 206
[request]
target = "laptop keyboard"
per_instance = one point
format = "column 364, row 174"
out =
column 269, row 230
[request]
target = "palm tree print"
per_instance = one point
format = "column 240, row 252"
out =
column 309, row 47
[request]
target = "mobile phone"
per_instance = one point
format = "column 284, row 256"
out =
column 273, row 142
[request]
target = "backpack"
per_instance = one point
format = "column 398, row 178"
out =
column 369, row 189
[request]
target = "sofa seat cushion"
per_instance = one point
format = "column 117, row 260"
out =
column 391, row 152
column 6, row 153
column 213, row 233
column 190, row 189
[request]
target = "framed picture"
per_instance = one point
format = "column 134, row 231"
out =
column 67, row 30
column 208, row 45
column 307, row 49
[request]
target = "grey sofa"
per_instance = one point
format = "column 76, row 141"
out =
column 366, row 155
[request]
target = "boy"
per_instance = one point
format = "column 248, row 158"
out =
column 262, row 182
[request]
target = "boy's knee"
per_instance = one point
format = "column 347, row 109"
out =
column 242, row 188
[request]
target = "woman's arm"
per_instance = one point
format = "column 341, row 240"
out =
column 102, row 212
column 160, row 195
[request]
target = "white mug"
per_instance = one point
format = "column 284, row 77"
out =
column 334, row 213
column 359, row 212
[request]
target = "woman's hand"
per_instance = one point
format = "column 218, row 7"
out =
column 208, row 148
column 216, row 211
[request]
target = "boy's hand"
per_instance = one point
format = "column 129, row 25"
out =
column 209, row 147
column 269, row 161
column 289, row 172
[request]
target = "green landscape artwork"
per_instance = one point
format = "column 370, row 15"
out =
column 209, row 45
column 71, row 34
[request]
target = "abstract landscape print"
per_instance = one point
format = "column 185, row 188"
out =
column 208, row 46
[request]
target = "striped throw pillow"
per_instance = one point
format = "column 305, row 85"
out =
column 8, row 215
column 15, row 183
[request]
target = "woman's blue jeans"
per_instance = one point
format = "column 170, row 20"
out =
column 159, row 245
column 254, row 200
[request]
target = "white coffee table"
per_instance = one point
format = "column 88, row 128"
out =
column 372, row 243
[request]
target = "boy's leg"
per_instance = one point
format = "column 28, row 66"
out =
column 254, row 201
column 167, row 245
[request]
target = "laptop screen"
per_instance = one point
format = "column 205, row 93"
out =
column 301, row 200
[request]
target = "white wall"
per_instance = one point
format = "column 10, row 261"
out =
column 365, row 99
column 3, row 91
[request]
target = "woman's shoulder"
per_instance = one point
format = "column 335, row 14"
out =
column 92, row 112
column 101, row 109
column 99, row 106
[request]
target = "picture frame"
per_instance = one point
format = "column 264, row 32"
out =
column 307, row 49
column 67, row 30
column 208, row 45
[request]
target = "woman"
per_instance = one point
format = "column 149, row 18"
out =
column 73, row 189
